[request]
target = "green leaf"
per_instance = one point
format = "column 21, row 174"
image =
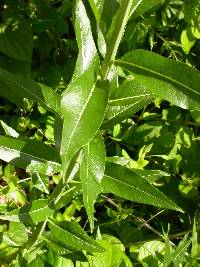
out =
column 130, row 92
column 139, row 7
column 87, row 56
column 72, row 235
column 91, row 172
column 33, row 213
column 16, row 89
column 30, row 154
column 129, row 185
column 165, row 78
column 16, row 38
column 178, row 256
column 85, row 99
column 17, row 234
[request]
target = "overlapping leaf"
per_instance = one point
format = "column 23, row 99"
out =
column 129, row 185
column 31, row 154
column 85, row 100
column 91, row 172
column 167, row 79
column 73, row 236
column 33, row 213
column 17, row 89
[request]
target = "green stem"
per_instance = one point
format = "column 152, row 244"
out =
column 116, row 37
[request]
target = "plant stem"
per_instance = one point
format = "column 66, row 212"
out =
column 116, row 37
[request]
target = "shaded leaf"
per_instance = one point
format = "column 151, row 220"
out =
column 16, row 89
column 16, row 38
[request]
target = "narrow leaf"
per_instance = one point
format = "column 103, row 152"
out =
column 16, row 89
column 129, row 185
column 139, row 7
column 91, row 172
column 31, row 154
column 33, row 213
column 73, row 236
column 165, row 78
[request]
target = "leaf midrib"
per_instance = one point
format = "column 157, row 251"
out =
column 157, row 74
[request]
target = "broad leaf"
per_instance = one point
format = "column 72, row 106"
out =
column 165, row 78
column 83, row 107
column 129, row 185
column 86, row 97
column 73, row 236
column 33, row 213
column 16, row 39
column 16, row 89
column 30, row 154
column 91, row 172
column 16, row 235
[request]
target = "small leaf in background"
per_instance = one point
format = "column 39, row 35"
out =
column 129, row 185
column 91, row 173
column 16, row 39
column 73, row 236
column 164, row 78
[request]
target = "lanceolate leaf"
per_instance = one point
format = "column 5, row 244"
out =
column 16, row 89
column 31, row 154
column 87, row 50
column 129, row 185
column 91, row 172
column 73, row 236
column 83, row 107
column 165, row 78
column 33, row 213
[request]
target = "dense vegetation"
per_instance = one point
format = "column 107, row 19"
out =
column 100, row 133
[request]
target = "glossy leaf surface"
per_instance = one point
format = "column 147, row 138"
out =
column 33, row 213
column 33, row 154
column 16, row 89
column 72, row 235
column 83, row 107
column 167, row 79
column 91, row 172
column 129, row 185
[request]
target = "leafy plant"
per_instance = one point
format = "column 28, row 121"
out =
column 60, row 135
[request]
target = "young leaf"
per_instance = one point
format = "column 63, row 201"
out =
column 16, row 89
column 25, row 153
column 91, row 172
column 16, row 39
column 85, row 99
column 73, row 236
column 33, row 213
column 129, row 185
column 165, row 78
